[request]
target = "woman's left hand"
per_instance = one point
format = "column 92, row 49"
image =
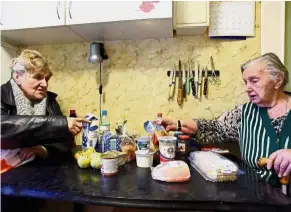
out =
column 281, row 161
column 26, row 153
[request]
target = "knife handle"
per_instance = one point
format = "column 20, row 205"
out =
column 263, row 162
column 180, row 96
column 188, row 86
column 172, row 91
column 205, row 90
column 184, row 90
column 196, row 89
column 193, row 86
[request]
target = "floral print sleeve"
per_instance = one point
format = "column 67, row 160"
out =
column 223, row 129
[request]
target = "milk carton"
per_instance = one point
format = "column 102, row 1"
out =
column 90, row 132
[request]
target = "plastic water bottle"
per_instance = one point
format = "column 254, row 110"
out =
column 105, row 123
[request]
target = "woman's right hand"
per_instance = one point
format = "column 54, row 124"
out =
column 187, row 126
column 75, row 125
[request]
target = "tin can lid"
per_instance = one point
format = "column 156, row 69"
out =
column 184, row 137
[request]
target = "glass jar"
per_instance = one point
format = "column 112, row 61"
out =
column 183, row 147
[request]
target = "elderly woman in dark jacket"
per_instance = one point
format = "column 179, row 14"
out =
column 31, row 118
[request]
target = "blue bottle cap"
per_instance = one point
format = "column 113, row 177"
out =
column 104, row 112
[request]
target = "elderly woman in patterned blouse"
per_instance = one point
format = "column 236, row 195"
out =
column 262, row 126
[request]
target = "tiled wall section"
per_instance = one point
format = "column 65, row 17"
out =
column 135, row 81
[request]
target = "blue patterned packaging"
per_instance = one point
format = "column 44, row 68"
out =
column 90, row 132
column 110, row 142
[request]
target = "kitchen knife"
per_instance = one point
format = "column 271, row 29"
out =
column 196, row 73
column 180, row 89
column 192, row 83
column 205, row 88
column 171, row 84
column 200, row 84
column 215, row 79
column 283, row 180
column 174, row 82
column 188, row 79
column 184, row 81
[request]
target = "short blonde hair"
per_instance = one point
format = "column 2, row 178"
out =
column 32, row 61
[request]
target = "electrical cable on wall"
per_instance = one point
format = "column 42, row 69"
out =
column 97, row 55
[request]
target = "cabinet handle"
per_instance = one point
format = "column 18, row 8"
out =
column 58, row 6
column 70, row 5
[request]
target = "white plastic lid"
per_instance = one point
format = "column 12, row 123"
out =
column 167, row 138
column 144, row 138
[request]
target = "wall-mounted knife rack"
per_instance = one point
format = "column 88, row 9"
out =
column 209, row 73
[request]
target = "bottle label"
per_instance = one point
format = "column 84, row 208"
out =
column 181, row 147
column 109, row 166
column 104, row 128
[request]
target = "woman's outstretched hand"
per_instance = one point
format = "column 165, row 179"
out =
column 187, row 126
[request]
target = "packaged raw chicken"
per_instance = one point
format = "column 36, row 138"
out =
column 172, row 171
column 213, row 166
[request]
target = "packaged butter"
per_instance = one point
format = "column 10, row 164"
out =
column 213, row 166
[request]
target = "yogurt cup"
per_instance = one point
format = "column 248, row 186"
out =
column 143, row 144
column 167, row 147
column 144, row 160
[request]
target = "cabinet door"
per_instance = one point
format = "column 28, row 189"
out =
column 32, row 14
column 191, row 13
column 82, row 12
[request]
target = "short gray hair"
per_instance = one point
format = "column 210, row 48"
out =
column 273, row 65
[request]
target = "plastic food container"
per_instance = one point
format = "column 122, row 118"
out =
column 143, row 144
column 144, row 160
column 213, row 166
column 167, row 147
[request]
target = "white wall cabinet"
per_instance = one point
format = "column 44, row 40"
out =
column 120, row 20
column 32, row 14
column 44, row 22
column 81, row 12
column 191, row 17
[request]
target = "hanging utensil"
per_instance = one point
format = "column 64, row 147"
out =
column 196, row 73
column 174, row 82
column 200, row 84
column 205, row 88
column 171, row 84
column 184, row 81
column 192, row 82
column 215, row 79
column 180, row 89
column 188, row 79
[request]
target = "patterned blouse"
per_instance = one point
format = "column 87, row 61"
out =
column 226, row 127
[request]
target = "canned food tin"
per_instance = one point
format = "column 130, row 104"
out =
column 167, row 147
column 109, row 165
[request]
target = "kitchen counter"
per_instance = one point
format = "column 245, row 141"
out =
column 134, row 187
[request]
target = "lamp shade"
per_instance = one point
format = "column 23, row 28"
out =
column 97, row 53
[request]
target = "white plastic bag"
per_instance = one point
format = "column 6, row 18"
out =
column 172, row 171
